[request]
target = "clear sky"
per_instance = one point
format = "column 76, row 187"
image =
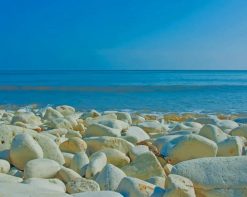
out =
column 123, row 34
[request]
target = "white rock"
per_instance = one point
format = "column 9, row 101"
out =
column 227, row 124
column 58, row 123
column 65, row 110
column 26, row 117
column 188, row 147
column 98, row 143
column 41, row 168
column 46, row 184
column 66, row 175
column 79, row 160
column 134, row 187
column 138, row 133
column 73, row 145
column 232, row 146
column 82, row 185
column 153, row 126
column 23, row 149
column 68, row 158
column 213, row 132
column 4, row 166
column 115, row 124
column 124, row 116
column 216, row 176
column 6, row 178
column 110, row 177
column 72, row 133
column 179, row 186
column 102, row 130
column 157, row 180
column 51, row 114
column 115, row 157
column 239, row 131
column 137, row 151
column 97, row 163
column 144, row 166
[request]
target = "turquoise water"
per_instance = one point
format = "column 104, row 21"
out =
column 156, row 91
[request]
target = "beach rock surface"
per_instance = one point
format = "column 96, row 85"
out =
column 82, row 185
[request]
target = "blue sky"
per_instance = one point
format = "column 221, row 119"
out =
column 123, row 34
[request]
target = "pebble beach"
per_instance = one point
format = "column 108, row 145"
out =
column 60, row 151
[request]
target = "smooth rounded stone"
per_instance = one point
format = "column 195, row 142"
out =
column 50, row 148
column 16, row 172
column 188, row 147
column 168, row 168
column 115, row 157
column 4, row 166
column 23, row 149
column 98, row 143
column 137, row 151
column 72, row 120
column 90, row 120
column 51, row 114
column 211, row 176
column 138, row 133
column 9, row 178
column 157, row 180
column 73, row 145
column 195, row 125
column 153, row 126
column 26, row 117
column 41, row 168
column 72, row 133
column 93, row 114
column 137, row 119
column 58, row 123
column 227, row 124
column 124, row 116
column 24, row 190
column 178, row 186
column 161, row 141
column 213, row 132
column 46, row 184
column 82, row 185
column 79, row 160
column 97, row 163
column 8, row 132
column 67, row 158
column 144, row 166
column 181, row 132
column 96, row 129
column 66, row 174
column 180, row 126
column 115, row 124
column 80, row 127
column 240, row 131
column 130, row 139
column 110, row 177
column 232, row 146
column 57, row 132
column 65, row 110
column 133, row 187
column 97, row 194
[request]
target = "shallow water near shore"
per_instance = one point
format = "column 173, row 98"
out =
column 150, row 91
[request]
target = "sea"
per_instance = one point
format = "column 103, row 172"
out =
column 160, row 91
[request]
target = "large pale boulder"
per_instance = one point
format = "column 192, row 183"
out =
column 216, row 176
column 97, row 163
column 188, row 147
column 72, row 133
column 41, row 168
column 110, row 177
column 79, row 161
column 50, row 184
column 144, row 166
column 96, row 129
column 66, row 174
column 23, row 149
column 82, row 185
column 240, row 131
column 65, row 110
column 134, row 187
column 137, row 151
column 51, row 114
column 227, row 124
column 124, row 116
column 138, row 133
column 97, row 194
column 24, row 190
column 6, row 178
column 50, row 148
column 26, row 117
column 67, row 158
column 213, row 132
column 4, row 166
column 232, row 146
column 73, row 145
column 115, row 124
column 161, row 141
column 157, row 180
column 115, row 157
column 58, row 123
column 153, row 126
column 98, row 143
column 178, row 186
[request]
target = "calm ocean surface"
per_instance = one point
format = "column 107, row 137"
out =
column 151, row 91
